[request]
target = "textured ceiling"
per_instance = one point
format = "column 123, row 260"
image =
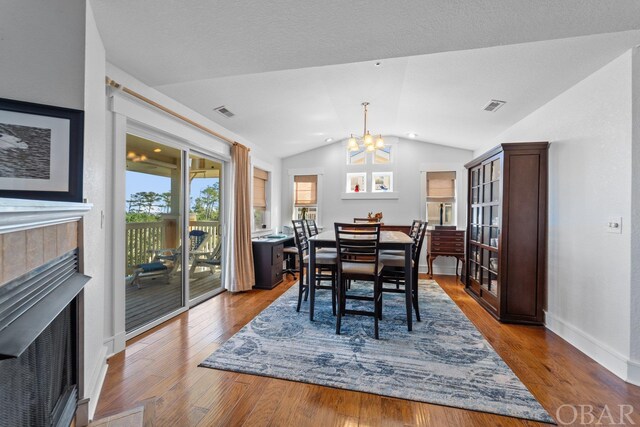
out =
column 295, row 72
column 169, row 41
column 439, row 96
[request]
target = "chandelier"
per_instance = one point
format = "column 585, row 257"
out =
column 365, row 142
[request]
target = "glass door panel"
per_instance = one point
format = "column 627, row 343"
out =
column 153, row 250
column 205, row 214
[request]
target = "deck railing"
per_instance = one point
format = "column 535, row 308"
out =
column 142, row 238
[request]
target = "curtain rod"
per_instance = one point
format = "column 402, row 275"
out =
column 112, row 83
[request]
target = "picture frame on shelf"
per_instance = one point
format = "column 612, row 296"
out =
column 41, row 147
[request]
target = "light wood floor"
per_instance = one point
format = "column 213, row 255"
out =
column 159, row 370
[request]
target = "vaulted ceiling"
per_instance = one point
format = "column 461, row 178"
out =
column 295, row 72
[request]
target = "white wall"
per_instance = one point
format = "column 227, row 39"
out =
column 42, row 51
column 94, row 237
column 589, row 127
column 634, row 366
column 411, row 157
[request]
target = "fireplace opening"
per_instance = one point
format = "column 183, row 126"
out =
column 37, row 387
column 40, row 346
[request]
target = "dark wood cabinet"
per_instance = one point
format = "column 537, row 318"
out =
column 267, row 261
column 445, row 243
column 507, row 231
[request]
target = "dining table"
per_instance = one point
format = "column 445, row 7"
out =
column 389, row 240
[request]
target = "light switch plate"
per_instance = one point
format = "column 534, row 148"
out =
column 614, row 225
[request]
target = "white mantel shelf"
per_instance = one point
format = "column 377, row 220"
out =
column 18, row 214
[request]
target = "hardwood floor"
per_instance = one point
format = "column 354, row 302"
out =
column 159, row 370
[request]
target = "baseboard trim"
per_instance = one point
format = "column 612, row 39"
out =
column 633, row 372
column 98, row 382
column 596, row 350
column 116, row 343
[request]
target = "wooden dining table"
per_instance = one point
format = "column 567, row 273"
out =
column 392, row 240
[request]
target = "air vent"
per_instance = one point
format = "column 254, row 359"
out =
column 224, row 111
column 493, row 105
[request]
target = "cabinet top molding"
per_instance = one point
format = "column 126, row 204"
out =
column 507, row 146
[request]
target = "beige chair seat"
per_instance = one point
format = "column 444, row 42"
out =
column 323, row 258
column 290, row 250
column 327, row 250
column 360, row 269
column 393, row 260
column 392, row 252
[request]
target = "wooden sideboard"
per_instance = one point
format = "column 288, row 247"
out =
column 445, row 243
column 267, row 261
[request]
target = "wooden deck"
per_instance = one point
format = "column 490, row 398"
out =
column 159, row 296
column 159, row 369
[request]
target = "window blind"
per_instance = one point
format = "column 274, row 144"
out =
column 306, row 190
column 260, row 178
column 441, row 187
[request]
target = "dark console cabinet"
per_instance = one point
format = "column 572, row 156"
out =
column 507, row 231
column 267, row 261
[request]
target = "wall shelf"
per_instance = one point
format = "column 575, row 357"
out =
column 370, row 195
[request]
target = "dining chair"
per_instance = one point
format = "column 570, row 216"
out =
column 393, row 271
column 358, row 249
column 325, row 262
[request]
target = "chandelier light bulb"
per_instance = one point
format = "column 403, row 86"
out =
column 368, row 139
column 353, row 144
column 379, row 142
column 370, row 148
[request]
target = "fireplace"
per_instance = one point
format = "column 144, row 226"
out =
column 39, row 344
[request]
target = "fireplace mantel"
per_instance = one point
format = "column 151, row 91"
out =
column 18, row 214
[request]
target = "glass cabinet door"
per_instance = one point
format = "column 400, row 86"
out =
column 485, row 225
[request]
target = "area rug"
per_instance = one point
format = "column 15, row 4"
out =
column 444, row 360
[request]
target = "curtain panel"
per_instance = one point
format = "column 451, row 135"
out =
column 243, row 277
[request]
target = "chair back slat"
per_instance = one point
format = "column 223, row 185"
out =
column 300, row 236
column 358, row 243
column 418, row 240
column 312, row 228
column 415, row 228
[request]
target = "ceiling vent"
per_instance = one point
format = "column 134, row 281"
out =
column 493, row 105
column 224, row 111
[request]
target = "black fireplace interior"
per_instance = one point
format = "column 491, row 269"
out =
column 39, row 346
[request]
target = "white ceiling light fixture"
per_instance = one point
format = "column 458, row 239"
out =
column 328, row 140
column 365, row 142
column 412, row 135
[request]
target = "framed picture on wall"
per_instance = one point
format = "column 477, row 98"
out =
column 40, row 151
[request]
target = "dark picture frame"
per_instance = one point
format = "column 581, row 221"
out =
column 41, row 151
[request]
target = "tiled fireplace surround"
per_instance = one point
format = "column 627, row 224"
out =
column 33, row 233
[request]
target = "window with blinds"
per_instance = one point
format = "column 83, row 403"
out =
column 305, row 197
column 441, row 198
column 260, row 179
column 260, row 217
column 306, row 190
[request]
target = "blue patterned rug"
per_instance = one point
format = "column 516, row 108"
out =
column 445, row 360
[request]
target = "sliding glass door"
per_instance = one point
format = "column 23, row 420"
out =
column 205, row 215
column 154, row 223
column 166, row 249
